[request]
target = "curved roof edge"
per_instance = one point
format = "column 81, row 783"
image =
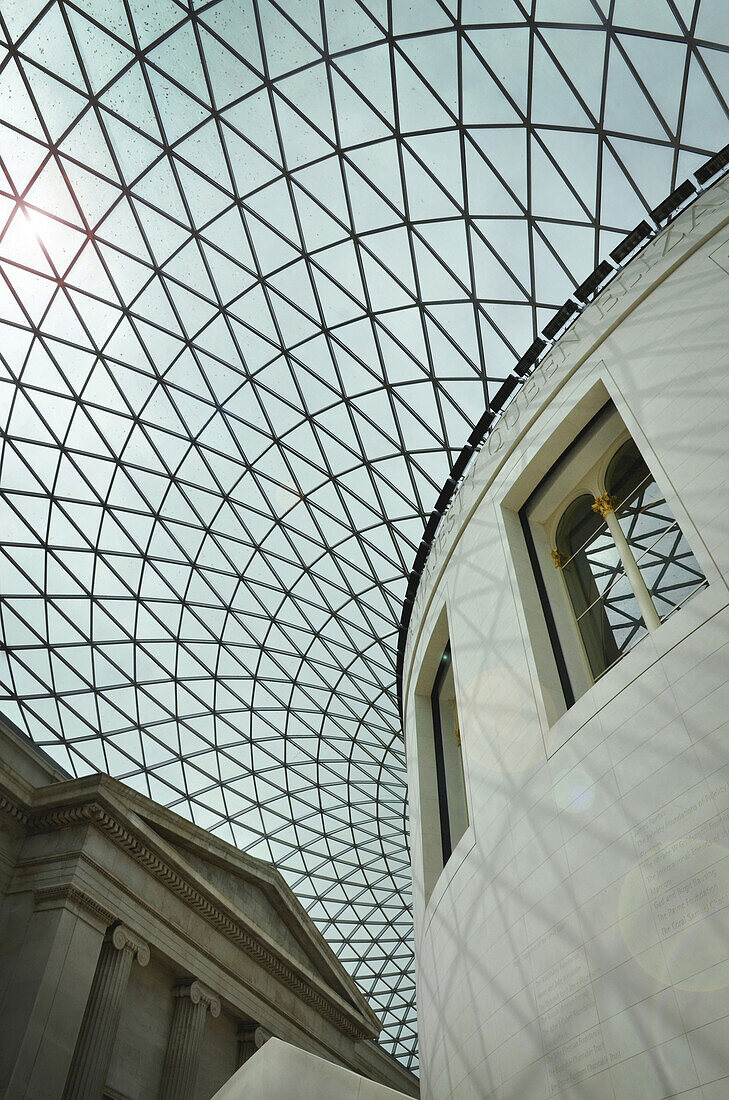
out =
column 564, row 318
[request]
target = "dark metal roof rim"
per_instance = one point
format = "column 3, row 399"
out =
column 564, row 318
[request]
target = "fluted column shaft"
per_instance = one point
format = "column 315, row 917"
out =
column 193, row 1000
column 95, row 1042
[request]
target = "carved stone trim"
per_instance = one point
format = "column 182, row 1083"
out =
column 60, row 817
column 199, row 994
column 10, row 807
column 93, row 812
column 45, row 895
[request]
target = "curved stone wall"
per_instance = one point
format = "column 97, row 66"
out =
column 577, row 941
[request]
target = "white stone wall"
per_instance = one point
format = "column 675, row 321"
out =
column 577, row 942
column 280, row 1071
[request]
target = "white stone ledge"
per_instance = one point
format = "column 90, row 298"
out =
column 279, row 1071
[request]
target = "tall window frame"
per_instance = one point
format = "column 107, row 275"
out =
column 450, row 777
column 443, row 803
column 610, row 559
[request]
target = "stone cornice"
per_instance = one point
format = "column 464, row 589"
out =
column 70, row 804
column 11, row 807
column 46, row 895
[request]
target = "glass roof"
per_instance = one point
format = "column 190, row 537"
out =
column 263, row 263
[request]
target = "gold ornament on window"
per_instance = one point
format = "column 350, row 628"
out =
column 457, row 731
column 605, row 504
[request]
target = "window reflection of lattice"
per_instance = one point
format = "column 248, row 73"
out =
column 623, row 562
column 626, row 563
column 666, row 561
column 604, row 603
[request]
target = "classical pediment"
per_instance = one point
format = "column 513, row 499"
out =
column 241, row 897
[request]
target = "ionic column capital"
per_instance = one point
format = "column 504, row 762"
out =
column 123, row 938
column 251, row 1037
column 199, row 994
column 254, row 1034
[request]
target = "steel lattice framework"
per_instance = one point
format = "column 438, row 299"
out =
column 264, row 262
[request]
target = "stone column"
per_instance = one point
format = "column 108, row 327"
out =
column 251, row 1038
column 606, row 506
column 95, row 1044
column 183, row 1046
column 48, row 986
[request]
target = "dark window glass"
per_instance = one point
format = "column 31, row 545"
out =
column 448, row 760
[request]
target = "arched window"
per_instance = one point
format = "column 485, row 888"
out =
column 604, row 604
column 667, row 564
column 623, row 563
